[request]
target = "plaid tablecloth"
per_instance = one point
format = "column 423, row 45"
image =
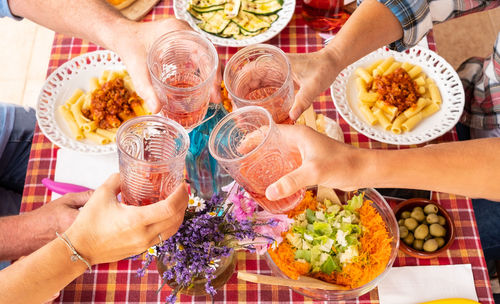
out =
column 118, row 282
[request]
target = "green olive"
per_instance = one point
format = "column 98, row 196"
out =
column 403, row 232
column 409, row 239
column 418, row 209
column 418, row 215
column 442, row 220
column 431, row 208
column 437, row 230
column 432, row 218
column 431, row 245
column 401, row 222
column 421, row 231
column 405, row 214
column 411, row 223
column 418, row 244
column 440, row 241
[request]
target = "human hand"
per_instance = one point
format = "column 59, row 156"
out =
column 59, row 214
column 325, row 162
column 133, row 46
column 314, row 73
column 107, row 230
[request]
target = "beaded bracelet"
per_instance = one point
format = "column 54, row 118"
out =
column 75, row 256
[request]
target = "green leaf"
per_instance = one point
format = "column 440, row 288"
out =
column 352, row 239
column 311, row 218
column 303, row 255
column 354, row 203
column 328, row 266
column 321, row 228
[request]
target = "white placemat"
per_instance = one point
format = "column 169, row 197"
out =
column 417, row 284
column 84, row 169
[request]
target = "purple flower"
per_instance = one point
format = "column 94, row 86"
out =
column 207, row 235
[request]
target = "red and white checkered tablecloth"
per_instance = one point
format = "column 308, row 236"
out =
column 118, row 282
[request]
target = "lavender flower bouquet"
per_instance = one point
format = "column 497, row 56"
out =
column 210, row 233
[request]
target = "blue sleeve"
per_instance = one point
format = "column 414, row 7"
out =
column 5, row 10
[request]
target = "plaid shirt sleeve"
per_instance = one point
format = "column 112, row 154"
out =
column 481, row 80
column 418, row 16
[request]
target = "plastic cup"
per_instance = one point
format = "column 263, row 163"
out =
column 260, row 75
column 152, row 152
column 249, row 146
column 183, row 65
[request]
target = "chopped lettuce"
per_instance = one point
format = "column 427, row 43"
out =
column 354, row 203
column 327, row 238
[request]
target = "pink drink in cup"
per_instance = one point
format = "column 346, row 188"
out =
column 260, row 75
column 183, row 66
column 152, row 153
column 248, row 145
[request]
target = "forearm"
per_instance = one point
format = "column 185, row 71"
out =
column 469, row 168
column 371, row 26
column 40, row 275
column 93, row 20
column 22, row 234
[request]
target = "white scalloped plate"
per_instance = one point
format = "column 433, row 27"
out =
column 60, row 86
column 345, row 97
column 285, row 15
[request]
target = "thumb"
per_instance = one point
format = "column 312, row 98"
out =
column 289, row 184
column 77, row 200
column 303, row 99
column 173, row 205
column 144, row 88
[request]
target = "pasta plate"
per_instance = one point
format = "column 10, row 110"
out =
column 285, row 15
column 345, row 97
column 60, row 85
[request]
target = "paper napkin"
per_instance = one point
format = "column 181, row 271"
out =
column 84, row 169
column 416, row 284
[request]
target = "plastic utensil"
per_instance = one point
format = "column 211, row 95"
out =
column 62, row 188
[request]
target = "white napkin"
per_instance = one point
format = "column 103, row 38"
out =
column 84, row 169
column 416, row 284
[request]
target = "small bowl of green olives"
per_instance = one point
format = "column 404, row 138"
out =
column 425, row 228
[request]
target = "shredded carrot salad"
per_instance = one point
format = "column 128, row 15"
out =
column 374, row 254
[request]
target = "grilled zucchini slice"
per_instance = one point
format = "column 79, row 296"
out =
column 262, row 8
column 194, row 13
column 230, row 30
column 216, row 24
column 249, row 22
column 208, row 9
column 269, row 19
column 232, row 8
column 206, row 3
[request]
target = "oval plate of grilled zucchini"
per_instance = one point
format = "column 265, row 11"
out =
column 236, row 23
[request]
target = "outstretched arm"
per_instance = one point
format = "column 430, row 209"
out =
column 97, row 21
column 372, row 25
column 25, row 233
column 104, row 231
column 469, row 168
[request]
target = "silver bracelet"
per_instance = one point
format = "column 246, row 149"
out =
column 75, row 256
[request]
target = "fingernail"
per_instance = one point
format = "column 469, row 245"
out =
column 272, row 192
column 187, row 186
column 151, row 106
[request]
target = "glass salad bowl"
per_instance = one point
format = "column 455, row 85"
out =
column 383, row 208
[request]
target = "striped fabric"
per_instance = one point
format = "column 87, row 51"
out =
column 118, row 282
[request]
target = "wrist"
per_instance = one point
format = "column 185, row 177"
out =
column 334, row 55
column 75, row 266
column 120, row 32
column 80, row 241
